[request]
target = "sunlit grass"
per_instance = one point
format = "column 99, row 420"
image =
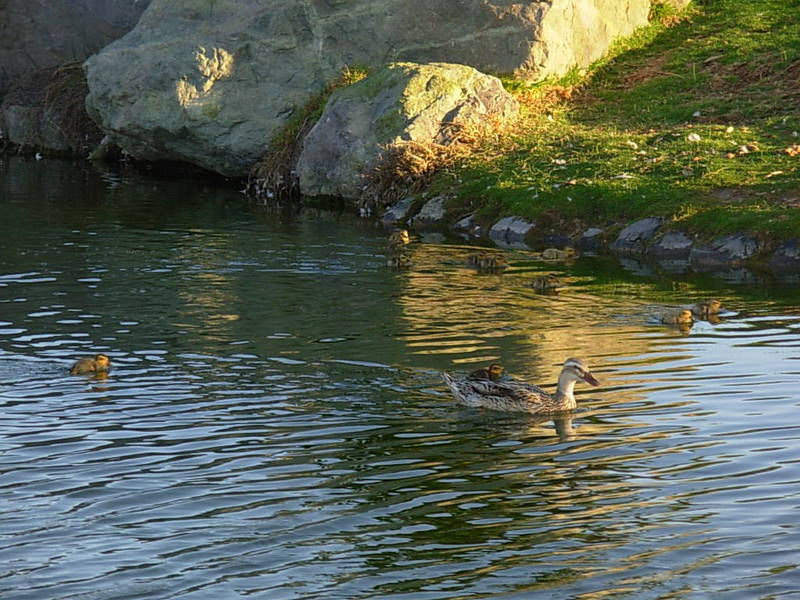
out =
column 690, row 119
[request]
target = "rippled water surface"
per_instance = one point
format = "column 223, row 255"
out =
column 275, row 425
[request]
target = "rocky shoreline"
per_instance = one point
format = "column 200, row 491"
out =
column 648, row 241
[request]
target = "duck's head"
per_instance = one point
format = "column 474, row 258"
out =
column 684, row 316
column 102, row 361
column 575, row 369
column 712, row 306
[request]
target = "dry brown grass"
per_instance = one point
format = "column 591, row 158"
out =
column 272, row 178
column 61, row 93
column 407, row 167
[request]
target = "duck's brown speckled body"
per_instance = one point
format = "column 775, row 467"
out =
column 517, row 396
column 87, row 366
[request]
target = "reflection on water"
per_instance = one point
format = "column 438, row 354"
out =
column 275, row 425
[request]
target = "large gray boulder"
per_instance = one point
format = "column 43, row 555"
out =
column 402, row 102
column 211, row 83
column 35, row 34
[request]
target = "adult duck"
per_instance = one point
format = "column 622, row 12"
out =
column 517, row 396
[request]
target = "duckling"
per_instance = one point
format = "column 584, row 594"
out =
column 84, row 366
column 399, row 261
column 707, row 309
column 493, row 262
column 476, row 258
column 680, row 316
column 398, row 240
column 518, row 396
column 556, row 254
column 546, row 283
column 493, row 372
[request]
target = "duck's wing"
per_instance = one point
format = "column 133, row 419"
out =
column 507, row 391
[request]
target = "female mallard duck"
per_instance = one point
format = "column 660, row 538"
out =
column 704, row 310
column 518, row 396
column 398, row 240
column 546, row 283
column 85, row 366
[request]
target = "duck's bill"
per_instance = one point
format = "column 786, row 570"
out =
column 590, row 379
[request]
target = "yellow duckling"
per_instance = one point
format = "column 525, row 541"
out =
column 707, row 309
column 398, row 240
column 86, row 366
column 556, row 254
column 476, row 258
column 399, row 261
column 493, row 372
column 681, row 316
column 493, row 262
column 546, row 283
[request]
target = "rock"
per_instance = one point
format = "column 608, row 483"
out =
column 44, row 110
column 730, row 251
column 402, row 102
column 467, row 226
column 633, row 238
column 786, row 259
column 673, row 245
column 510, row 232
column 398, row 212
column 212, row 82
column 589, row 240
column 35, row 34
column 431, row 215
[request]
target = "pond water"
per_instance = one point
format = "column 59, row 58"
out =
column 275, row 425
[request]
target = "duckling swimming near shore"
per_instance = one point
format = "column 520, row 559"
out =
column 486, row 261
column 707, row 309
column 86, row 366
column 398, row 240
column 677, row 316
column 399, row 261
column 546, row 283
column 556, row 254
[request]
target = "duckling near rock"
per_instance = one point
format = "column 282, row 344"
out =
column 399, row 261
column 546, row 283
column 493, row 262
column 86, row 366
column 398, row 240
column 707, row 309
column 492, row 373
column 475, row 259
column 556, row 254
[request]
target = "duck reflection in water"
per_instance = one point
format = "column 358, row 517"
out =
column 508, row 394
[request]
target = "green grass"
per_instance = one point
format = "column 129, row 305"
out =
column 625, row 143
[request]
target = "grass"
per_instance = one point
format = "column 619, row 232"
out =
column 691, row 119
